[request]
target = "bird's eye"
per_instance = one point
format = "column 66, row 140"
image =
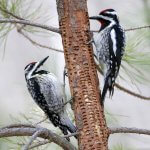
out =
column 29, row 66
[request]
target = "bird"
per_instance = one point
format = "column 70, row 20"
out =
column 46, row 90
column 110, row 47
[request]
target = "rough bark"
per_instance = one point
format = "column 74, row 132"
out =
column 83, row 80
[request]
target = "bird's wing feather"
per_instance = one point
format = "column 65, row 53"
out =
column 111, row 64
column 52, row 91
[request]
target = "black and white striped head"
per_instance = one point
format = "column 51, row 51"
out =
column 32, row 68
column 106, row 17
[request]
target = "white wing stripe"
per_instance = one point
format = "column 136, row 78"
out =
column 33, row 69
column 113, row 38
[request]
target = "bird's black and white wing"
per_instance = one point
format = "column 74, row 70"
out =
column 102, row 48
column 113, row 60
column 54, row 96
column 51, row 89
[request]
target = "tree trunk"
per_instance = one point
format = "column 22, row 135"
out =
column 83, row 79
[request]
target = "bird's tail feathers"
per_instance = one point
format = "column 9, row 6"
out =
column 68, row 123
column 70, row 126
column 108, row 85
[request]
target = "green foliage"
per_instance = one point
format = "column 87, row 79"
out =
column 136, row 60
column 21, row 9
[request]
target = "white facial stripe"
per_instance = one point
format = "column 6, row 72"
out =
column 106, row 18
column 30, row 73
column 113, row 13
column 113, row 38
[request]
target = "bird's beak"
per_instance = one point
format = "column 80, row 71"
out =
column 95, row 17
column 41, row 62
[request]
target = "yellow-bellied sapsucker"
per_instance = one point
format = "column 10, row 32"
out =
column 110, row 44
column 47, row 92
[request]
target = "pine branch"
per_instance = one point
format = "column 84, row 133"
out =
column 130, row 29
column 123, row 88
column 129, row 130
column 25, row 35
column 39, row 144
column 38, row 44
column 17, row 17
column 29, row 130
column 25, row 22
column 48, row 141
column 33, row 137
column 19, row 126
column 53, row 29
column 9, row 13
column 131, row 92
column 138, row 28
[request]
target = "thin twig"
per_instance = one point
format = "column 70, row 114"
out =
column 130, row 29
column 53, row 29
column 39, row 144
column 19, row 126
column 129, row 130
column 45, row 118
column 9, row 13
column 131, row 92
column 123, row 88
column 38, row 44
column 138, row 28
column 25, row 22
column 33, row 137
column 70, row 135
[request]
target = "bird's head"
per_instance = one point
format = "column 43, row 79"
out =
column 106, row 17
column 31, row 68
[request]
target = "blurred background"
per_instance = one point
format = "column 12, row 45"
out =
column 17, row 50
